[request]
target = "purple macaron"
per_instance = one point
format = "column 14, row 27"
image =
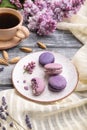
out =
column 37, row 85
column 57, row 83
column 46, row 58
column 53, row 68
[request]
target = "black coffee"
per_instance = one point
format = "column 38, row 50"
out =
column 8, row 20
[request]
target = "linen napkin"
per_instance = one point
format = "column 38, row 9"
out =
column 80, row 61
column 77, row 24
column 67, row 114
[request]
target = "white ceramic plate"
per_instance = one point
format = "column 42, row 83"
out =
column 18, row 78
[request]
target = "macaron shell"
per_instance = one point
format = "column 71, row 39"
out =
column 53, row 72
column 46, row 58
column 53, row 90
column 57, row 83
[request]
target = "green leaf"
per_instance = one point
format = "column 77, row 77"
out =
column 6, row 3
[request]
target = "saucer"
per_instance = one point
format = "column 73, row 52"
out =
column 20, row 35
column 10, row 43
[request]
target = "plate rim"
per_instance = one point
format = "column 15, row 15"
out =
column 38, row 101
column 10, row 43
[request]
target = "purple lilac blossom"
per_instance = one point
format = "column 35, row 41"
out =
column 3, row 128
column 4, row 113
column 64, row 9
column 42, row 23
column 17, row 3
column 41, row 4
column 1, row 69
column 11, row 124
column 42, row 15
column 29, row 10
column 0, row 1
column 27, row 121
column 29, row 67
column 26, row 87
column 3, row 101
column 46, row 25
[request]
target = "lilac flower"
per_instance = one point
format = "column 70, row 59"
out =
column 0, row 1
column 17, row 3
column 3, row 128
column 3, row 101
column 4, row 115
column 32, row 23
column 1, row 109
column 43, row 24
column 41, row 4
column 1, row 69
column 27, row 121
column 30, row 9
column 42, row 15
column 29, row 67
column 26, row 87
column 11, row 124
column 64, row 9
column 7, row 114
column 24, row 81
column 46, row 26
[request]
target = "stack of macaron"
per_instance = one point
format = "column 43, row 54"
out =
column 56, row 82
column 53, row 68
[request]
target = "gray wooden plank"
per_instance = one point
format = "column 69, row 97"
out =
column 5, row 76
column 4, row 87
column 62, row 42
column 57, row 39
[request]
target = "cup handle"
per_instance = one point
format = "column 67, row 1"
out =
column 22, row 32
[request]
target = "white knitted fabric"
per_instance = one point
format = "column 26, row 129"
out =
column 77, row 24
column 68, row 114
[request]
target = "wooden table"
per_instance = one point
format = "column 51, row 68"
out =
column 62, row 42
